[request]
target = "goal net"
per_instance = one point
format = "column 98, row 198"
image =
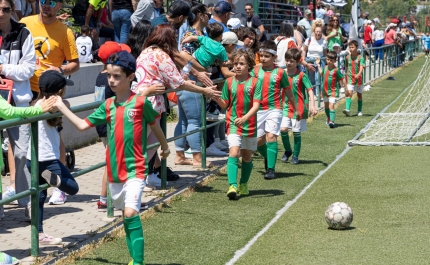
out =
column 409, row 124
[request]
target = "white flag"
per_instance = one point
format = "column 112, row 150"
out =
column 355, row 11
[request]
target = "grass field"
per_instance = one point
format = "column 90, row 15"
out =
column 384, row 186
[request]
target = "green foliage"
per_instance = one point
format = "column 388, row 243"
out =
column 385, row 9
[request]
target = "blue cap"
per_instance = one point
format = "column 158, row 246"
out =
column 125, row 60
column 222, row 7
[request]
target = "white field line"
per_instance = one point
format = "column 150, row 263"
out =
column 239, row 253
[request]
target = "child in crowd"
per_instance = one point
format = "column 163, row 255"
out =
column 230, row 42
column 426, row 43
column 331, row 77
column 241, row 96
column 85, row 45
column 269, row 117
column 126, row 115
column 354, row 64
column 51, row 170
column 302, row 91
column 211, row 50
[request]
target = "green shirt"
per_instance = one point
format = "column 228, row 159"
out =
column 300, row 85
column 353, row 66
column 209, row 51
column 331, row 79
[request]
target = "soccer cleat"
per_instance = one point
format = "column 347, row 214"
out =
column 359, row 113
column 7, row 260
column 213, row 151
column 286, row 156
column 270, row 174
column 331, row 124
column 243, row 189
column 135, row 263
column 232, row 192
column 346, row 112
column 58, row 197
column 294, row 160
column 52, row 179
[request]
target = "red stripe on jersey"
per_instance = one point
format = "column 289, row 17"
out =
column 139, row 154
column 326, row 77
column 278, row 90
column 300, row 96
column 119, row 143
column 109, row 102
column 333, row 83
column 265, row 91
column 360, row 81
column 240, row 99
column 229, row 110
column 353, row 70
column 252, row 120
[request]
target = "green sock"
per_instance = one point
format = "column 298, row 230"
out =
column 232, row 167
column 262, row 150
column 272, row 154
column 246, row 171
column 360, row 105
column 327, row 113
column 297, row 143
column 286, row 141
column 332, row 115
column 135, row 230
column 348, row 103
column 127, row 239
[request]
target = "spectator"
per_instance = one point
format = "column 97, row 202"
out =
column 121, row 11
column 25, row 8
column 367, row 37
column 426, row 43
column 138, row 36
column 335, row 33
column 284, row 41
column 83, row 11
column 248, row 37
column 378, row 37
column 84, row 45
column 329, row 11
column 106, row 26
column 390, row 39
column 254, row 21
column 222, row 11
column 306, row 22
column 234, row 23
column 320, row 12
column 146, row 10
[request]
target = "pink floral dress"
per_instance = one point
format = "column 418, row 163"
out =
column 154, row 66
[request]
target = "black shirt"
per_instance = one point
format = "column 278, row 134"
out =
column 122, row 4
column 255, row 22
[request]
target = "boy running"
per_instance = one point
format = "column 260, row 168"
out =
column 241, row 96
column 332, row 76
column 354, row 67
column 126, row 115
column 302, row 91
column 269, row 116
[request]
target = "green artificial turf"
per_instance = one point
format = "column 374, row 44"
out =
column 207, row 228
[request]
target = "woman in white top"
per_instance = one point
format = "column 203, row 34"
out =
column 378, row 37
column 315, row 47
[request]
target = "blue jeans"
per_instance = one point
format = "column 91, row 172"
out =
column 314, row 77
column 379, row 53
column 68, row 183
column 121, row 24
column 189, row 105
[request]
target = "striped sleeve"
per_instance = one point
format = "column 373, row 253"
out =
column 149, row 114
column 97, row 117
column 258, row 97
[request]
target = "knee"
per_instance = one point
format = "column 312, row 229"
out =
column 284, row 130
column 271, row 137
column 129, row 212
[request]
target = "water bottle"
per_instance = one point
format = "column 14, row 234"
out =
column 186, row 70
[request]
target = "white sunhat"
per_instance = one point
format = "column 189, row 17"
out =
column 234, row 23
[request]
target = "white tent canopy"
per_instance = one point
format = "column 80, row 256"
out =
column 335, row 2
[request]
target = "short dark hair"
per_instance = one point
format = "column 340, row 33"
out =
column 114, row 58
column 85, row 29
column 353, row 42
column 248, row 54
column 293, row 53
column 269, row 45
column 214, row 30
column 332, row 55
column 249, row 4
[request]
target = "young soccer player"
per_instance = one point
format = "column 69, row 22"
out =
column 269, row 116
column 354, row 65
column 302, row 91
column 331, row 79
column 84, row 43
column 125, row 115
column 241, row 96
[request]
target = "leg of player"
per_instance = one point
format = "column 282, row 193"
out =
column 327, row 110
column 134, row 235
column 348, row 94
column 286, row 142
column 246, row 171
column 233, row 166
column 359, row 103
column 332, row 114
column 272, row 152
column 262, row 149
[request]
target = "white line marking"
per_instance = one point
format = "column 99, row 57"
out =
column 278, row 215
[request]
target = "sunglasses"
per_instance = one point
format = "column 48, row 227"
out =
column 6, row 10
column 52, row 3
column 335, row 20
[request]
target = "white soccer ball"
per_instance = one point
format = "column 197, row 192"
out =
column 339, row 215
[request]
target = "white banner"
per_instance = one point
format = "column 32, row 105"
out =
column 334, row 2
column 355, row 13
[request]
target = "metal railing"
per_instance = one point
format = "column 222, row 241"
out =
column 393, row 56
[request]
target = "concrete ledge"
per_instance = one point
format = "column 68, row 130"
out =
column 84, row 79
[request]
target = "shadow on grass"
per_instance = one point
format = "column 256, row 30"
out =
column 342, row 125
column 313, row 162
column 345, row 229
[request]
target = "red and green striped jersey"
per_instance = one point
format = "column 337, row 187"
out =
column 273, row 82
column 126, row 150
column 240, row 97
column 300, row 85
column 353, row 69
column 331, row 79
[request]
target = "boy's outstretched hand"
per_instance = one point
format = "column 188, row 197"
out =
column 47, row 104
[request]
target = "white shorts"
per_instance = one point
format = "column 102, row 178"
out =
column 330, row 100
column 127, row 194
column 269, row 121
column 293, row 124
column 248, row 143
column 358, row 89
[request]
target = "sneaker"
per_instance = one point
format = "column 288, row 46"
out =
column 47, row 240
column 147, row 189
column 27, row 212
column 232, row 192
column 346, row 112
column 286, row 156
column 243, row 189
column 188, row 153
column 52, row 179
column 359, row 113
column 342, row 90
column 9, row 193
column 58, row 197
column 270, row 174
column 5, row 259
column 101, row 205
column 331, row 125
column 294, row 160
column 224, row 142
column 153, row 180
column 219, row 145
column 213, row 151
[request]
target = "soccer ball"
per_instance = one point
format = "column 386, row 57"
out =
column 338, row 215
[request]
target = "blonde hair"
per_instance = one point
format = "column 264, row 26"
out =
column 317, row 23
